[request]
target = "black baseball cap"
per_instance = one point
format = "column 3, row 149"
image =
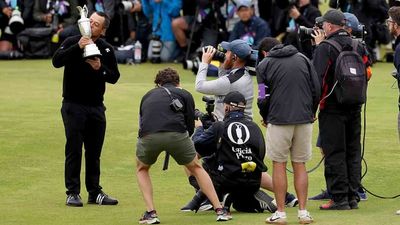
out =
column 334, row 16
column 235, row 98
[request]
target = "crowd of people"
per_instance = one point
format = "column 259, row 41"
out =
column 291, row 87
column 293, row 82
column 177, row 27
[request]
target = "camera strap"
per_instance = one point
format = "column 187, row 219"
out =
column 236, row 75
column 169, row 93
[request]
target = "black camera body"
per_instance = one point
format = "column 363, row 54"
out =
column 218, row 55
column 252, row 62
column 193, row 63
column 305, row 32
column 207, row 119
column 361, row 34
column 176, row 105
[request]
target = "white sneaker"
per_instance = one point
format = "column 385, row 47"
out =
column 305, row 217
column 398, row 212
column 277, row 218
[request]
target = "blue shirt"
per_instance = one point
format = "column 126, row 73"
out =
column 252, row 31
column 162, row 14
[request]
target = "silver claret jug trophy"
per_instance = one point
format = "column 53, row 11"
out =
column 91, row 50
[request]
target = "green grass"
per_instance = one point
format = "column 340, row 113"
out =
column 32, row 154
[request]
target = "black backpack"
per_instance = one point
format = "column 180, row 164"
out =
column 350, row 75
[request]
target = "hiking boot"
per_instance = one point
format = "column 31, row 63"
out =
column 149, row 218
column 291, row 200
column 324, row 195
column 265, row 201
column 74, row 200
column 205, row 205
column 277, row 218
column 102, row 199
column 332, row 205
column 304, row 217
column 223, row 214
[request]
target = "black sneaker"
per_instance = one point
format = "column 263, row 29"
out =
column 223, row 214
column 324, row 195
column 265, row 201
column 291, row 200
column 74, row 200
column 205, row 206
column 102, row 199
column 191, row 206
column 195, row 203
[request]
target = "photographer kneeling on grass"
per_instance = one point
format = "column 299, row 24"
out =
column 166, row 123
column 237, row 77
column 235, row 151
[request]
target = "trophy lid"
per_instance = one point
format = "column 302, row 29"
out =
column 83, row 11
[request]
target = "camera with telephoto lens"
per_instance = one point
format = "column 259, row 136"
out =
column 193, row 63
column 305, row 32
column 207, row 119
column 155, row 45
column 127, row 5
column 16, row 22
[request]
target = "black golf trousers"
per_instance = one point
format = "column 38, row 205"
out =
column 84, row 126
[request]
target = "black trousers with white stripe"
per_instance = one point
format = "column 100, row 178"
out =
column 84, row 126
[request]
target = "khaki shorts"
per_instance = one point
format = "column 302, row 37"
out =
column 178, row 145
column 295, row 140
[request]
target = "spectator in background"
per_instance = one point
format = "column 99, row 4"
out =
column 8, row 41
column 63, row 13
column 182, row 24
column 161, row 13
column 106, row 6
column 371, row 13
column 250, row 28
column 58, row 15
column 302, row 14
column 139, row 28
